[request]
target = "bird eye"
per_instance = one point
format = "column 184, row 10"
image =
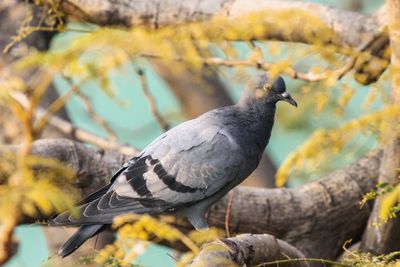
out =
column 267, row 87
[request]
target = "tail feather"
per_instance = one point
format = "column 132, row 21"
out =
column 76, row 240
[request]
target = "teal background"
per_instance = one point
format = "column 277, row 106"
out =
column 128, row 114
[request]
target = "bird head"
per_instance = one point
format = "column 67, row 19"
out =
column 263, row 90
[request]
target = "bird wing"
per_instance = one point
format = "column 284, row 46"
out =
column 185, row 165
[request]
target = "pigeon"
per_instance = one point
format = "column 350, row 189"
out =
column 188, row 168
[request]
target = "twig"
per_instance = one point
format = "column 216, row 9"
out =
column 24, row 32
column 306, row 76
column 90, row 138
column 261, row 64
column 347, row 250
column 8, row 245
column 96, row 118
column 76, row 133
column 56, row 106
column 228, row 213
column 277, row 262
column 257, row 61
column 152, row 104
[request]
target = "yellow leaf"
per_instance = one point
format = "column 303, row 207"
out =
column 39, row 199
column 388, row 201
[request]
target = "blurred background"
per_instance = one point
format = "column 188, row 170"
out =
column 124, row 113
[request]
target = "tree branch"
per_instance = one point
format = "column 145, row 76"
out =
column 93, row 167
column 342, row 28
column 316, row 218
column 76, row 133
column 266, row 66
column 385, row 238
column 151, row 101
column 352, row 28
column 247, row 250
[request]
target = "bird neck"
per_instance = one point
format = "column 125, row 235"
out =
column 261, row 116
column 257, row 110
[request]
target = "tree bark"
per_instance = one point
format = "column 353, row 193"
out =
column 352, row 28
column 342, row 28
column 385, row 238
column 317, row 218
column 247, row 250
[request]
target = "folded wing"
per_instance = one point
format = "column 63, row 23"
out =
column 182, row 167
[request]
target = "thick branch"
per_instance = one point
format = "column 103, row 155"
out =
column 317, row 218
column 385, row 239
column 352, row 28
column 343, row 28
column 247, row 250
column 93, row 167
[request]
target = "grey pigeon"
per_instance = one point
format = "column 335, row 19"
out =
column 188, row 168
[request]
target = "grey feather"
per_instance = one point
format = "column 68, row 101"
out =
column 190, row 167
column 78, row 238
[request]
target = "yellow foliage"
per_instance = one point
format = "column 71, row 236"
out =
column 30, row 190
column 321, row 100
column 389, row 203
column 143, row 226
column 359, row 259
column 135, row 231
column 187, row 43
column 324, row 142
column 346, row 97
column 280, row 67
column 371, row 97
column 201, row 237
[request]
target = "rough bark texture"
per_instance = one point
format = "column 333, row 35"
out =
column 385, row 239
column 317, row 218
column 352, row 28
column 247, row 250
column 93, row 167
column 343, row 28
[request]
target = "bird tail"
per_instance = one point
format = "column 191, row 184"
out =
column 76, row 240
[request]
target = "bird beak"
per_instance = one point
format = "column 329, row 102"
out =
column 288, row 98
